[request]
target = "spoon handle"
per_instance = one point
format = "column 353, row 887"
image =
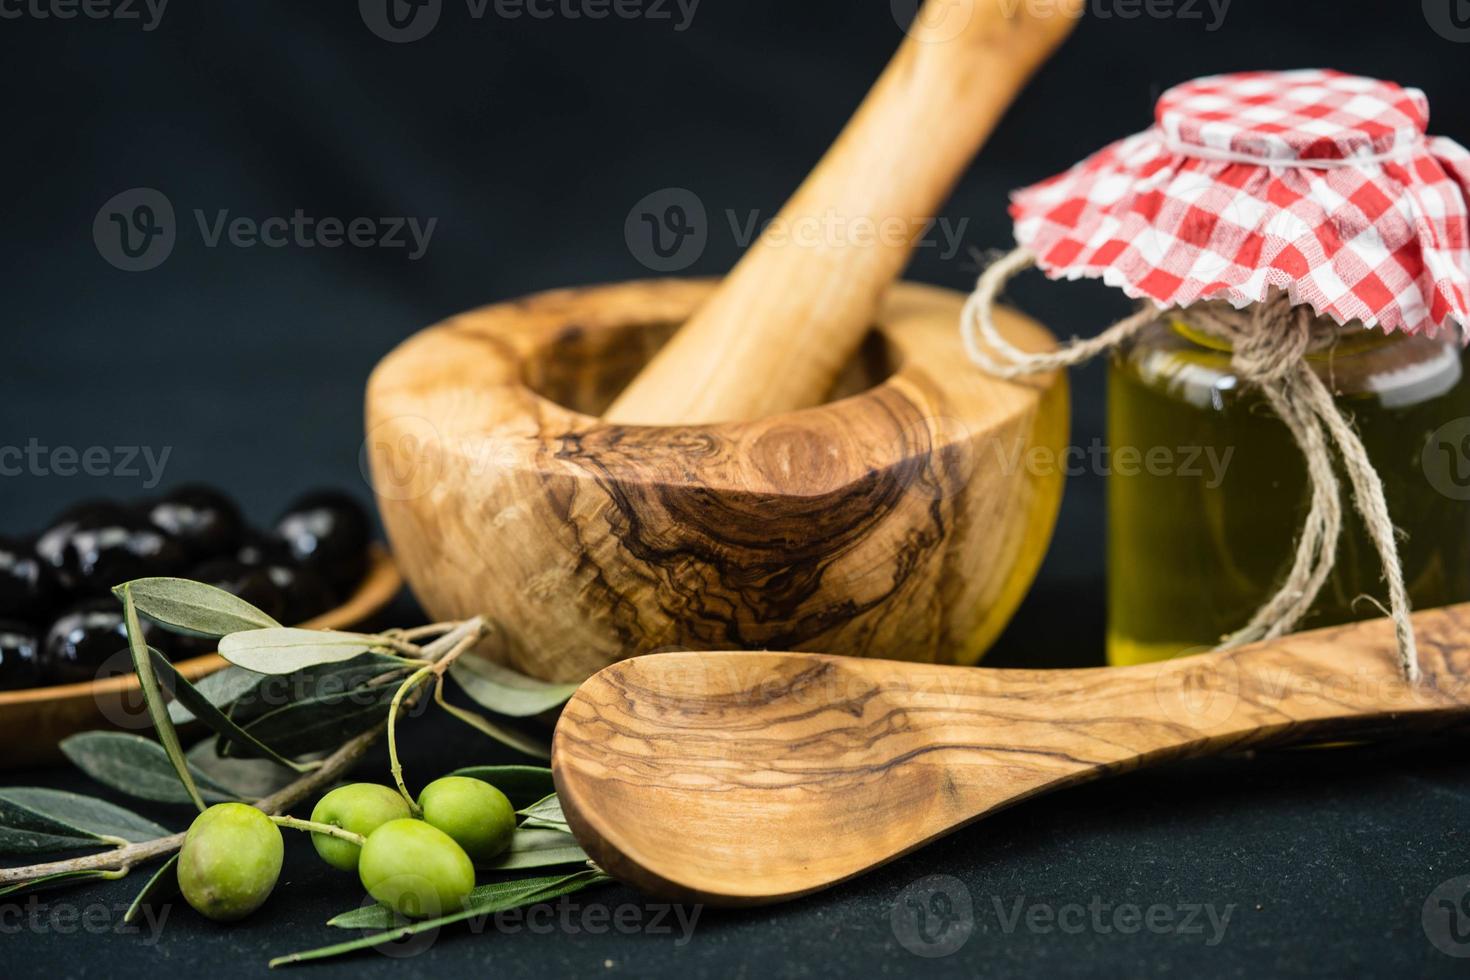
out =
column 1060, row 727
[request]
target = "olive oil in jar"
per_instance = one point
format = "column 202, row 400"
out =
column 1202, row 535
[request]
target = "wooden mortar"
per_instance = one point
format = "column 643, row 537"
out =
column 905, row 519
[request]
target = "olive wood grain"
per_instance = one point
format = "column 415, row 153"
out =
column 905, row 518
column 796, row 307
column 744, row 778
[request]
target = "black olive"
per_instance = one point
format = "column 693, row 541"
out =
column 90, row 641
column 103, row 554
column 202, row 519
column 307, row 594
column 330, row 532
column 259, row 548
column 28, row 586
column 51, row 545
column 20, row 656
column 253, row 585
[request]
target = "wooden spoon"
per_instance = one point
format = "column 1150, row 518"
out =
column 796, row 307
column 746, row 778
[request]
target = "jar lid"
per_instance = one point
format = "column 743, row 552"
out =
column 1314, row 182
column 1284, row 117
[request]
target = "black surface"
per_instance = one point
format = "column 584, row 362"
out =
column 529, row 141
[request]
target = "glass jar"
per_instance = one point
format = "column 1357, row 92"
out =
column 1203, row 522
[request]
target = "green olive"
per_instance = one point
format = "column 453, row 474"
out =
column 415, row 869
column 359, row 807
column 476, row 814
column 230, row 861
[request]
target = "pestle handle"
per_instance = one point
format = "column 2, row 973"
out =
column 798, row 304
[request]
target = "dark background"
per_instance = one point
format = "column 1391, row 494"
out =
column 529, row 140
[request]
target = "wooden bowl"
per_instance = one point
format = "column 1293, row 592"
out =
column 33, row 721
column 905, row 518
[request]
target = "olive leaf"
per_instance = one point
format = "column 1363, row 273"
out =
column 283, row 650
column 193, row 608
column 519, row 891
column 475, row 908
column 249, row 779
column 505, row 691
column 25, row 840
column 220, row 689
column 52, row 880
column 545, row 813
column 519, row 741
column 163, row 885
column 35, row 820
column 136, row 766
column 153, row 696
column 317, row 707
column 522, row 785
column 538, row 848
column 217, row 720
column 321, row 682
column 319, row 723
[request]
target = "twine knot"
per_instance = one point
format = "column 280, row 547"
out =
column 1267, row 348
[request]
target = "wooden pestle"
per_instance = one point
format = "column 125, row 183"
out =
column 792, row 313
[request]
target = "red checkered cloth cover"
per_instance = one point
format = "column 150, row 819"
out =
column 1315, row 182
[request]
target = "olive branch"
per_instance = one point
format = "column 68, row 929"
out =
column 342, row 693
